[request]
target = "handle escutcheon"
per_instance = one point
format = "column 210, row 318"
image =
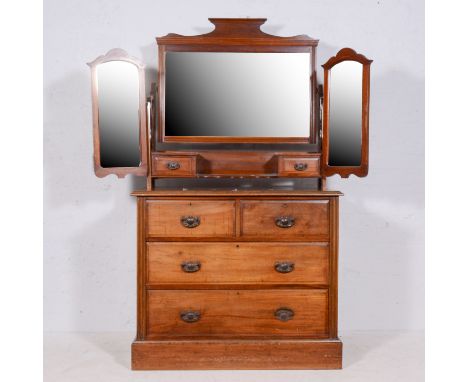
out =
column 284, row 314
column 284, row 266
column 190, row 221
column 300, row 166
column 190, row 266
column 173, row 165
column 190, row 316
column 285, row 221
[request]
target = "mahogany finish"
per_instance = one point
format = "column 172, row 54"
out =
column 234, row 35
column 165, row 218
column 236, row 354
column 227, row 163
column 258, row 219
column 236, row 278
column 284, row 264
column 121, row 172
column 299, row 166
column 179, row 166
column 224, row 283
column 347, row 54
column 237, row 313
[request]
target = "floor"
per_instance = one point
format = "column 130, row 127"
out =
column 368, row 356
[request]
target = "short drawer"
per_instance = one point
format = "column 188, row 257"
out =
column 285, row 220
column 190, row 218
column 174, row 166
column 237, row 263
column 298, row 166
column 207, row 313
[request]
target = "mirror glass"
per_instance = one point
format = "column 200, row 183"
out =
column 345, row 114
column 237, row 94
column 118, row 108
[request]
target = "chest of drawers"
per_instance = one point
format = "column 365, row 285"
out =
column 237, row 280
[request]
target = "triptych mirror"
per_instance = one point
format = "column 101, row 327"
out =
column 266, row 95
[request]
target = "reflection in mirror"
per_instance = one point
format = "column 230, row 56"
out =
column 237, row 94
column 345, row 114
column 118, row 110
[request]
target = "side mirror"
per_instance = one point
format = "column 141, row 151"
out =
column 119, row 115
column 345, row 144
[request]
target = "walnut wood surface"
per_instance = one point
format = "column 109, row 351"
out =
column 237, row 263
column 163, row 218
column 235, row 35
column 227, row 307
column 235, row 163
column 261, row 193
column 237, row 31
column 237, row 313
column 287, row 166
column 237, row 289
column 347, row 54
column 333, row 274
column 311, row 219
column 237, row 354
column 187, row 163
column 121, row 172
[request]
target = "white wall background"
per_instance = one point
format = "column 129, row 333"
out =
column 90, row 223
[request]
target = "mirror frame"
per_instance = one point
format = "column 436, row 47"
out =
column 347, row 54
column 235, row 35
column 121, row 172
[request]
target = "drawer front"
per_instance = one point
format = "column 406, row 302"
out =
column 206, row 313
column 237, row 263
column 174, row 166
column 298, row 166
column 283, row 220
column 187, row 218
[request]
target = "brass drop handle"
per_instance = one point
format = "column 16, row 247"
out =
column 190, row 221
column 284, row 266
column 190, row 316
column 191, row 266
column 284, row 221
column 300, row 166
column 173, row 165
column 284, row 314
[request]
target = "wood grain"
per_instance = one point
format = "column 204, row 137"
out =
column 287, row 166
column 187, row 165
column 237, row 263
column 121, row 172
column 237, row 313
column 347, row 54
column 311, row 219
column 217, row 218
column 236, row 354
column 234, row 35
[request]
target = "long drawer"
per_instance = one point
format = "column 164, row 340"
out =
column 237, row 263
column 223, row 313
column 285, row 219
column 190, row 218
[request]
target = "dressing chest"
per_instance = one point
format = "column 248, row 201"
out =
column 237, row 235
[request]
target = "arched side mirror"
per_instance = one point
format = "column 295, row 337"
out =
column 345, row 145
column 119, row 115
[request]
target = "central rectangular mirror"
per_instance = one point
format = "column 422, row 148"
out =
column 221, row 96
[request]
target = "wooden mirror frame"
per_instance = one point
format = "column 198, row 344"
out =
column 236, row 35
column 347, row 54
column 121, row 172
